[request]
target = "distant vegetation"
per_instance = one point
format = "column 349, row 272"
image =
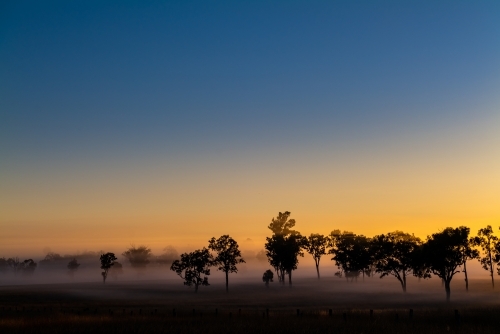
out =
column 398, row 254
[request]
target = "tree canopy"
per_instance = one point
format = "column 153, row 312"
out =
column 194, row 267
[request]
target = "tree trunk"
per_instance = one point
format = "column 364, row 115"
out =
column 403, row 283
column 290, row 277
column 317, row 269
column 466, row 278
column 491, row 272
column 447, row 288
column 196, row 287
column 227, row 282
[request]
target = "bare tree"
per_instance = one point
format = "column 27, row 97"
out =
column 228, row 255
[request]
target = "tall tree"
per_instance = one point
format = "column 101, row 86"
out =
column 107, row 261
column 284, row 246
column 487, row 241
column 468, row 252
column 394, row 254
column 194, row 267
column 316, row 245
column 351, row 253
column 228, row 255
column 443, row 255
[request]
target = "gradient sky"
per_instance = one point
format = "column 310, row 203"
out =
column 174, row 121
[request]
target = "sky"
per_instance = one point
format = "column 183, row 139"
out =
column 170, row 122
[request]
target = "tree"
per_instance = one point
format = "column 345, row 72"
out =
column 284, row 247
column 395, row 254
column 487, row 241
column 14, row 264
column 73, row 267
column 443, row 255
column 116, row 269
column 4, row 265
column 316, row 245
column 351, row 253
column 28, row 267
column 468, row 253
column 168, row 257
column 228, row 255
column 107, row 261
column 194, row 267
column 267, row 277
column 138, row 256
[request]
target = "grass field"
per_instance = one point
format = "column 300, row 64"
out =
column 148, row 306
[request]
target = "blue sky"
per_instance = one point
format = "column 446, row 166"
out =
column 184, row 75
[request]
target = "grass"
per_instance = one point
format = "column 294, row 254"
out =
column 146, row 307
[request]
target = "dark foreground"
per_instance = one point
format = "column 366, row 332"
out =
column 147, row 307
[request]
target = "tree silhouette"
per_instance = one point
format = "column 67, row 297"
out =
column 228, row 255
column 116, row 269
column 443, row 255
column 395, row 254
column 73, row 267
column 487, row 241
column 351, row 253
column 267, row 277
column 168, row 257
column 468, row 253
column 138, row 256
column 316, row 245
column 107, row 261
column 28, row 267
column 284, row 246
column 194, row 267
column 14, row 264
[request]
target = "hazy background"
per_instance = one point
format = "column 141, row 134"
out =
column 175, row 121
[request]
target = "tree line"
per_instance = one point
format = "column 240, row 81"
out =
column 398, row 254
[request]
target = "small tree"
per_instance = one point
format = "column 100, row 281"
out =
column 28, row 267
column 168, row 257
column 487, row 241
column 395, row 254
column 267, row 277
column 116, row 269
column 442, row 255
column 107, row 261
column 14, row 264
column 228, row 255
column 138, row 256
column 194, row 267
column 316, row 245
column 4, row 265
column 73, row 267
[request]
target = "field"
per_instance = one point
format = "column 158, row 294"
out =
column 148, row 306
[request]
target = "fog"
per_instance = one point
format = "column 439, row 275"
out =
column 157, row 284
